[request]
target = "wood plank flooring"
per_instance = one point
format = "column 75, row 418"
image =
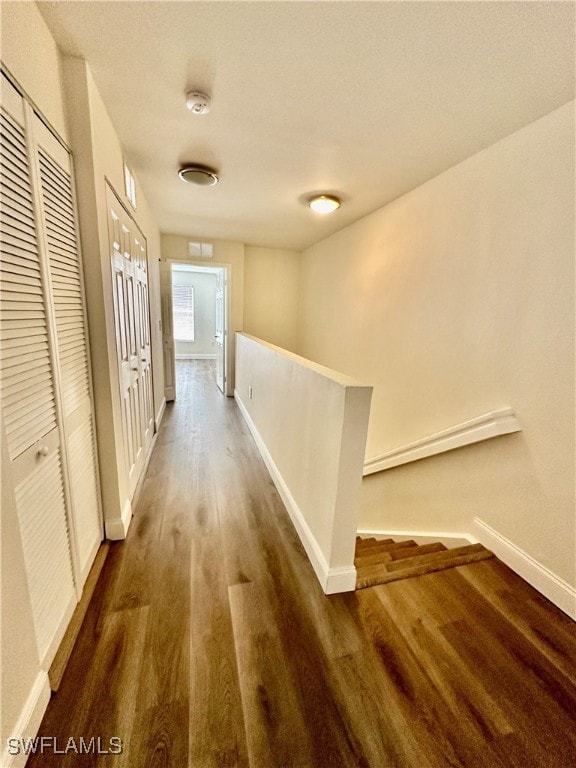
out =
column 209, row 644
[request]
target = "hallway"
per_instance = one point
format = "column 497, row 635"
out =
column 209, row 642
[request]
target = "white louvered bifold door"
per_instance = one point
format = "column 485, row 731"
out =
column 61, row 242
column 29, row 407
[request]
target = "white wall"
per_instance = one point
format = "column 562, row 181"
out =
column 271, row 280
column 310, row 425
column 455, row 300
column 29, row 52
column 204, row 285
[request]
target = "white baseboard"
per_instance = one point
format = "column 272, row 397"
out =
column 117, row 528
column 160, row 415
column 332, row 580
column 450, row 540
column 29, row 721
column 199, row 356
column 541, row 578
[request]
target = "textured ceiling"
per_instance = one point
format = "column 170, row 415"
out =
column 363, row 99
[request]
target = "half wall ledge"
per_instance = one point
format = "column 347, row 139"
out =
column 310, row 424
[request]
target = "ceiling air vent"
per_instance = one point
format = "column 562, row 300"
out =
column 200, row 250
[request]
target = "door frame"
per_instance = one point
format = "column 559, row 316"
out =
column 227, row 268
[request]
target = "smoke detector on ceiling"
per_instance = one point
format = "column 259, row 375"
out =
column 198, row 103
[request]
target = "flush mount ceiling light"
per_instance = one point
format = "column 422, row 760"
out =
column 199, row 175
column 324, row 203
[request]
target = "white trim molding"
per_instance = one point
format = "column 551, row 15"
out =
column 493, row 424
column 450, row 540
column 332, row 580
column 541, row 578
column 29, row 721
column 160, row 415
column 117, row 528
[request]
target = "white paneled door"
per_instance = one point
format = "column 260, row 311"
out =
column 132, row 323
column 44, row 373
column 221, row 330
column 167, row 331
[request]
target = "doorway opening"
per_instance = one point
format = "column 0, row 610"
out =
column 195, row 320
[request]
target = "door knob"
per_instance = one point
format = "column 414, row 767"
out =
column 44, row 451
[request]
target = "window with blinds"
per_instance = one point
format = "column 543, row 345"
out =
column 183, row 312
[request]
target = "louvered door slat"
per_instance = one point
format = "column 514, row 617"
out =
column 84, row 486
column 13, row 159
column 56, row 211
column 13, row 347
column 26, row 414
column 11, row 128
column 18, row 379
column 31, row 386
column 16, row 282
column 19, row 243
column 61, row 234
column 63, row 258
column 26, row 270
column 67, row 294
column 14, row 199
column 21, row 231
column 13, row 178
column 8, row 328
column 16, row 246
column 42, row 517
column 14, row 208
column 61, row 251
column 56, row 176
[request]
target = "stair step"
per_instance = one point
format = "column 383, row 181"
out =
column 420, row 566
column 418, row 551
column 362, row 544
column 386, row 545
column 447, row 555
column 382, row 553
column 373, row 558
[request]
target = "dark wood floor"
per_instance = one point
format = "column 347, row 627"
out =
column 209, row 643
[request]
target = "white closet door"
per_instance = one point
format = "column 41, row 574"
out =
column 29, row 406
column 131, row 317
column 59, row 217
column 140, row 259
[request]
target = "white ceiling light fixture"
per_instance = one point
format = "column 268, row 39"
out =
column 199, row 175
column 198, row 102
column 324, row 203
